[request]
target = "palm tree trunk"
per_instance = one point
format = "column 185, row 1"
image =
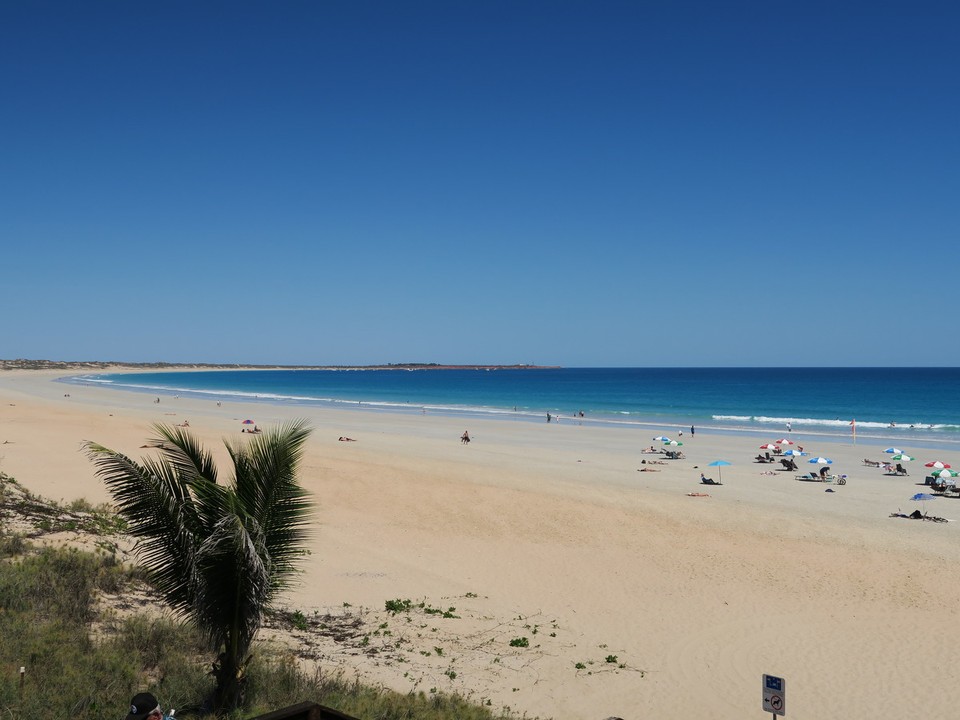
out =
column 230, row 675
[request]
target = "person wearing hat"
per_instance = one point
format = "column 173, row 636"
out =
column 144, row 706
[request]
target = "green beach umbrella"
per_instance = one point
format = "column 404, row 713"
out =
column 945, row 473
column 673, row 443
column 903, row 456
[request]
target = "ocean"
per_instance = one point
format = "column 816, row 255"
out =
column 907, row 405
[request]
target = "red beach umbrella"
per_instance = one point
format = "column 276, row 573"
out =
column 247, row 422
column 937, row 464
column 784, row 441
column 769, row 446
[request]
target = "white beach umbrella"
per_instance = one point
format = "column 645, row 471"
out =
column 820, row 461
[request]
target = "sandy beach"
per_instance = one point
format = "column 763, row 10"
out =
column 636, row 598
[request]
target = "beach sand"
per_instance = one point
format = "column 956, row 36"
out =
column 672, row 605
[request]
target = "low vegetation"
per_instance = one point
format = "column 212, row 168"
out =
column 86, row 629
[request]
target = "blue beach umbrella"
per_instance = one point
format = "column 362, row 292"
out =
column 893, row 451
column 922, row 498
column 719, row 464
column 795, row 453
column 820, row 461
column 662, row 438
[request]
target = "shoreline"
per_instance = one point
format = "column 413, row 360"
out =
column 827, row 431
column 554, row 528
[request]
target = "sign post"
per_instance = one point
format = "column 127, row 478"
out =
column 774, row 695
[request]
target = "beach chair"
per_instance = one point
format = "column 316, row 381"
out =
column 709, row 481
column 809, row 477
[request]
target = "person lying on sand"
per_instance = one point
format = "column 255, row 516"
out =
column 646, row 469
column 652, row 462
column 648, row 450
column 342, row 438
column 917, row 515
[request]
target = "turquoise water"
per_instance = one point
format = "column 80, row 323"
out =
column 897, row 403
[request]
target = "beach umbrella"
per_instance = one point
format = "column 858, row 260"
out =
column 794, row 453
column 719, row 464
column 672, row 443
column 662, row 438
column 937, row 464
column 769, row 446
column 893, row 451
column 903, row 456
column 784, row 441
column 247, row 422
column 922, row 498
column 820, row 461
column 945, row 473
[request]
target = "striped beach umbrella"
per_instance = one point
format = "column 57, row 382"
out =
column 893, row 451
column 784, row 441
column 673, row 443
column 662, row 438
column 937, row 464
column 769, row 446
column 794, row 453
column 903, row 456
column 945, row 473
column 820, row 461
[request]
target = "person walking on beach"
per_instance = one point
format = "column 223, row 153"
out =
column 465, row 438
column 692, row 430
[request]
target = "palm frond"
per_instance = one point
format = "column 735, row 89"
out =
column 266, row 484
column 236, row 570
column 159, row 511
column 183, row 450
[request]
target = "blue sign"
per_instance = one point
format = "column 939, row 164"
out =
column 774, row 695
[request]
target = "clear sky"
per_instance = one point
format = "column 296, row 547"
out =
column 573, row 183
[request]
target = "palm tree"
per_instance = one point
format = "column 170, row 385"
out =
column 217, row 554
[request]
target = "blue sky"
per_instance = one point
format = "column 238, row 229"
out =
column 572, row 183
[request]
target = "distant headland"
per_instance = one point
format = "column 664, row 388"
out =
column 22, row 364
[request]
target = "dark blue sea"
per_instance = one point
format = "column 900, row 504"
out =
column 915, row 404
